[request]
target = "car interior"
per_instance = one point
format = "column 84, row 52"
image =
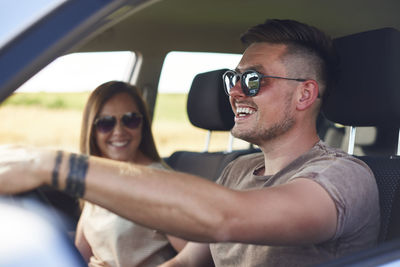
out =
column 358, row 56
column 364, row 105
column 371, row 101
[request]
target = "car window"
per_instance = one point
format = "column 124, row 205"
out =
column 15, row 19
column 171, row 127
column 46, row 111
column 80, row 72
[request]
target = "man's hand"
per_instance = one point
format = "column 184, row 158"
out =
column 19, row 168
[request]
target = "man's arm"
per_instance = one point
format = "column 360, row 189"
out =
column 300, row 212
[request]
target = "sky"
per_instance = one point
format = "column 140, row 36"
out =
column 17, row 15
column 85, row 71
column 180, row 68
column 79, row 72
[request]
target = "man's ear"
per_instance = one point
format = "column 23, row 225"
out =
column 308, row 93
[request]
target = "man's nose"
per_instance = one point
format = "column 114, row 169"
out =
column 236, row 91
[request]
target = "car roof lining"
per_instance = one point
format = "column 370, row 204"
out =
column 215, row 26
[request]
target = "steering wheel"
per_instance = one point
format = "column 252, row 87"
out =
column 61, row 206
column 32, row 214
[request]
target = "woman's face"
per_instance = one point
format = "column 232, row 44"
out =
column 120, row 142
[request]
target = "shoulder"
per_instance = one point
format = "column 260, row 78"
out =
column 332, row 167
column 346, row 178
column 351, row 185
column 335, row 158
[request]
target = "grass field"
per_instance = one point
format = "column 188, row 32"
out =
column 54, row 119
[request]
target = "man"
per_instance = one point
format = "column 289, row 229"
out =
column 297, row 203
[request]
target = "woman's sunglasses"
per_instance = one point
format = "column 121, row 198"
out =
column 250, row 81
column 106, row 124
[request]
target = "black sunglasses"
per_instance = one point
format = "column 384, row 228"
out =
column 249, row 80
column 106, row 124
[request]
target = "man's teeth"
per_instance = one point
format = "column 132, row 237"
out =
column 244, row 111
column 119, row 144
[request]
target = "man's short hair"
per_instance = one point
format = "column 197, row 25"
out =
column 307, row 42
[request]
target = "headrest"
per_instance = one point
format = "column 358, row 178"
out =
column 208, row 106
column 368, row 89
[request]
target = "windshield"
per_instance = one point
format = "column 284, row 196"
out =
column 17, row 16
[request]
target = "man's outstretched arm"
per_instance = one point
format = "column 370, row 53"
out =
column 176, row 203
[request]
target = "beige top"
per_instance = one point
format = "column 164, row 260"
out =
column 116, row 241
column 350, row 183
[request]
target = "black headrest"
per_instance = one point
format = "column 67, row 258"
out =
column 368, row 89
column 208, row 106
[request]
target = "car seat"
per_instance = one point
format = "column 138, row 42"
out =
column 368, row 94
column 208, row 108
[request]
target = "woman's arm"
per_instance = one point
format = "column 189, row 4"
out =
column 193, row 255
column 81, row 243
column 177, row 243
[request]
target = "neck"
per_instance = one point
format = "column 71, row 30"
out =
column 282, row 150
column 140, row 158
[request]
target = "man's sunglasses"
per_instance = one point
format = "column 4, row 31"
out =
column 106, row 124
column 250, row 81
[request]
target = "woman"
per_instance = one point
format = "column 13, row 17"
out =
column 116, row 125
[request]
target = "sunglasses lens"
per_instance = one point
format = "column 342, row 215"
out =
column 230, row 79
column 132, row 120
column 105, row 124
column 250, row 83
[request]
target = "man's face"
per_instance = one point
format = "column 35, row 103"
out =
column 269, row 114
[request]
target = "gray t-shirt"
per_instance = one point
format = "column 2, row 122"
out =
column 349, row 182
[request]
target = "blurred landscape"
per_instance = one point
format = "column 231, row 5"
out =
column 54, row 120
